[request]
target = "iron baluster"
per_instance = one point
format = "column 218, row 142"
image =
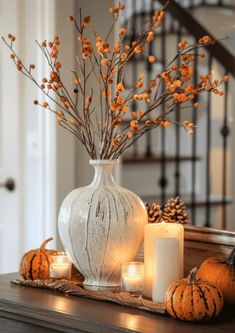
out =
column 208, row 154
column 148, row 151
column 134, row 65
column 194, row 144
column 225, row 131
column 177, row 129
column 163, row 180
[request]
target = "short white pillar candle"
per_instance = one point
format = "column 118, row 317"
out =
column 133, row 277
column 166, row 266
column 60, row 267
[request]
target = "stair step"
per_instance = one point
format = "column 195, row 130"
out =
column 141, row 159
column 200, row 202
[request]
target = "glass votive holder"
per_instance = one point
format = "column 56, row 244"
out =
column 133, row 277
column 60, row 266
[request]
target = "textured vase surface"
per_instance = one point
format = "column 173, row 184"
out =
column 101, row 227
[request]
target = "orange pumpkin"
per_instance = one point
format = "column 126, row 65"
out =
column 220, row 273
column 193, row 300
column 35, row 264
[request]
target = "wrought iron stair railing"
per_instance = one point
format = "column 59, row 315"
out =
column 180, row 23
column 218, row 4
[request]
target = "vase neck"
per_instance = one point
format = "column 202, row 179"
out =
column 103, row 173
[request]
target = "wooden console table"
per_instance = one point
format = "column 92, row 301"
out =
column 28, row 310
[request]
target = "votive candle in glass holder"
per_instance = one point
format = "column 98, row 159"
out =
column 60, row 266
column 133, row 277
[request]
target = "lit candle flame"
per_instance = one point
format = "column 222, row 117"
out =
column 132, row 271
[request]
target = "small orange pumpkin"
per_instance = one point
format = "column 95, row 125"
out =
column 220, row 273
column 35, row 264
column 193, row 300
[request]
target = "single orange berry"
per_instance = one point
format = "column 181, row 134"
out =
column 120, row 87
column 123, row 56
column 185, row 122
column 182, row 44
column 150, row 36
column 125, row 109
column 58, row 65
column 148, row 123
column 152, row 83
column 71, row 122
column 151, row 59
column 105, row 62
column 190, row 132
column 122, row 32
column 86, row 19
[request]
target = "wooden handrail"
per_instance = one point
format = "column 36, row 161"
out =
column 218, row 51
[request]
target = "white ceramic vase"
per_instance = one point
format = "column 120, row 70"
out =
column 102, row 226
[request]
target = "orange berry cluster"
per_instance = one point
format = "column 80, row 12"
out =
column 154, row 100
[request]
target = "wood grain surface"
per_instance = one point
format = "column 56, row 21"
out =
column 29, row 310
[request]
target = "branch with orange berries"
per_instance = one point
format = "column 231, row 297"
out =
column 111, row 126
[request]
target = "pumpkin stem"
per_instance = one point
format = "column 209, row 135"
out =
column 42, row 247
column 231, row 258
column 192, row 278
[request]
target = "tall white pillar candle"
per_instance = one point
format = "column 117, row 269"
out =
column 159, row 230
column 166, row 266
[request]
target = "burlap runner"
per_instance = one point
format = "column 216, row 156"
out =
column 75, row 289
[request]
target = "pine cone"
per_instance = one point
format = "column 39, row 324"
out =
column 175, row 211
column 154, row 212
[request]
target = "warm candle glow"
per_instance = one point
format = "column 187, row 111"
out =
column 133, row 277
column 159, row 230
column 60, row 267
column 132, row 271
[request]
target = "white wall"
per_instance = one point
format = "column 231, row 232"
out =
column 47, row 153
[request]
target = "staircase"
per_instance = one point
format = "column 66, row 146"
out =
column 166, row 162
